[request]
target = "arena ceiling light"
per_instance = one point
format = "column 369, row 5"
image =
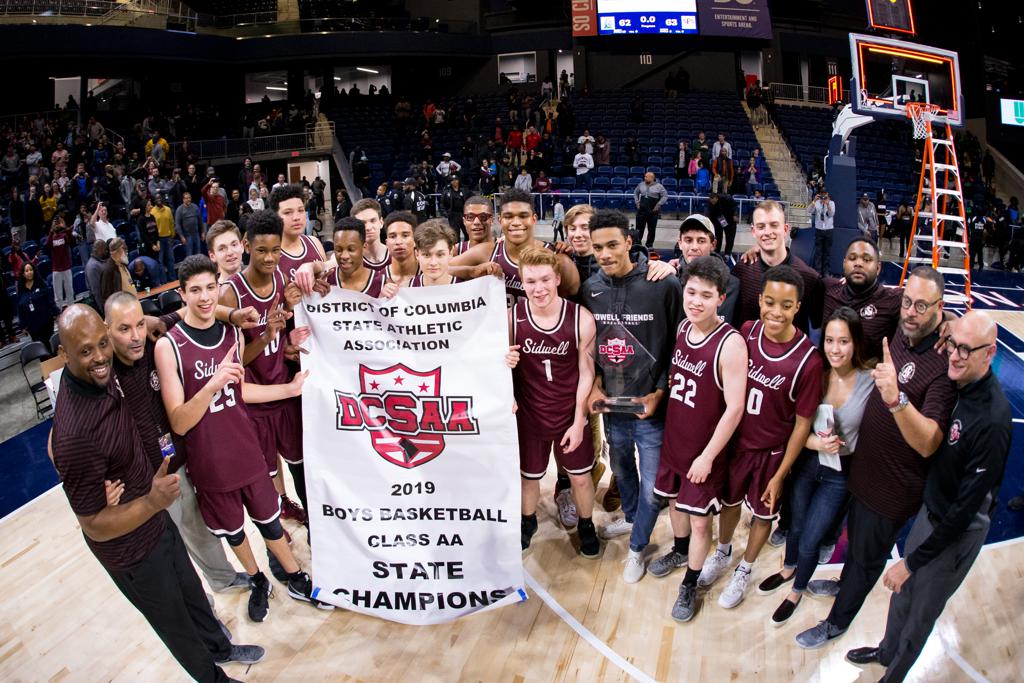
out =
column 275, row 87
column 365, row 70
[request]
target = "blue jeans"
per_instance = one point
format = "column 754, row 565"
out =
column 818, row 494
column 626, row 434
column 193, row 244
column 167, row 256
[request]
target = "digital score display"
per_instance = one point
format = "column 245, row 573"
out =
column 616, row 17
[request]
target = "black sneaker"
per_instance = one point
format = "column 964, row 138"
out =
column 773, row 583
column 527, row 528
column 590, row 547
column 260, row 590
column 300, row 587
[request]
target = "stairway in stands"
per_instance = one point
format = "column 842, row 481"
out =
column 788, row 175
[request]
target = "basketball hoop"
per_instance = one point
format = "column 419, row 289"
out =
column 921, row 113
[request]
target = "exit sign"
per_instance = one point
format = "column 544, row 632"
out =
column 1013, row 112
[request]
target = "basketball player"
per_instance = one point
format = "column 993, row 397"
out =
column 434, row 244
column 517, row 220
column 351, row 272
column 770, row 231
column 261, row 285
column 477, row 219
column 375, row 254
column 204, row 390
column 783, row 392
column 705, row 404
column 224, row 242
column 398, row 229
column 552, row 354
column 289, row 201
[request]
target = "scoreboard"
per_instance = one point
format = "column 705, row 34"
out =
column 650, row 16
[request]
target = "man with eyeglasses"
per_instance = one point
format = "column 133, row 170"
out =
column 908, row 413
column 959, row 497
column 477, row 218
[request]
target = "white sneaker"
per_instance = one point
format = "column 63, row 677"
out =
column 713, row 568
column 567, row 514
column 620, row 527
column 635, row 569
column 734, row 592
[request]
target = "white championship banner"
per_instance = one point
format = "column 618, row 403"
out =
column 411, row 452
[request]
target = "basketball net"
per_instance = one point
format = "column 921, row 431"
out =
column 920, row 114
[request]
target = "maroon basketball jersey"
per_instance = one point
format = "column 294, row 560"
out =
column 783, row 381
column 418, row 280
column 268, row 367
column 696, row 399
column 377, row 265
column 374, row 283
column 513, row 285
column 223, row 451
column 291, row 262
column 548, row 373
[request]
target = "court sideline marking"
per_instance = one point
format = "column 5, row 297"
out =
column 585, row 633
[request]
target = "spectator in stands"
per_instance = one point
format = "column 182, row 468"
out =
column 216, row 201
column 94, row 270
column 165, row 229
column 141, row 277
column 514, row 146
column 558, row 220
column 982, row 227
column 281, row 182
column 602, row 151
column 702, row 177
column 563, row 84
column 649, row 196
column 524, row 181
column 255, row 202
column 157, row 148
column 499, row 131
column 988, row 169
column 115, row 276
column 721, row 145
column 682, row 161
column 867, row 217
column 17, row 258
column 415, row 201
column 36, row 309
column 447, row 168
column 16, row 215
column 542, row 183
column 507, row 180
column 901, row 225
column 102, row 228
column 723, row 215
column 823, row 211
column 189, row 226
column 752, row 175
column 48, row 202
column 700, row 144
column 583, row 163
column 587, row 140
column 59, row 244
column 723, row 172
column 7, row 335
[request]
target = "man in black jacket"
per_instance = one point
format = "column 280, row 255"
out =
column 722, row 212
column 636, row 321
column 453, row 199
column 959, row 497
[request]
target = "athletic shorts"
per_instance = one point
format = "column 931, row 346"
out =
column 700, row 499
column 223, row 512
column 280, row 431
column 749, row 474
column 534, row 452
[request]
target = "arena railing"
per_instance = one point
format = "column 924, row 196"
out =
column 799, row 93
column 678, row 206
column 316, row 137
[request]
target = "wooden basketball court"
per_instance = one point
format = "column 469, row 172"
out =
column 63, row 620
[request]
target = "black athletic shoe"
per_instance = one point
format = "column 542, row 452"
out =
column 527, row 528
column 276, row 569
column 300, row 587
column 259, row 597
column 590, row 547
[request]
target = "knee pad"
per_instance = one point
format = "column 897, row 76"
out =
column 236, row 539
column 271, row 530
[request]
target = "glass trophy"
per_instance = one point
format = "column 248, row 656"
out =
column 621, row 359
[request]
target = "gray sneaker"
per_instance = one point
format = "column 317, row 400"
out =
column 825, row 553
column 823, row 588
column 778, row 538
column 666, row 564
column 239, row 583
column 686, row 603
column 713, row 568
column 815, row 637
column 244, row 654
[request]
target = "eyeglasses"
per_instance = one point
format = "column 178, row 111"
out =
column 963, row 352
column 920, row 306
column 484, row 217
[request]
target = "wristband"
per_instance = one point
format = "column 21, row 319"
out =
column 232, row 313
